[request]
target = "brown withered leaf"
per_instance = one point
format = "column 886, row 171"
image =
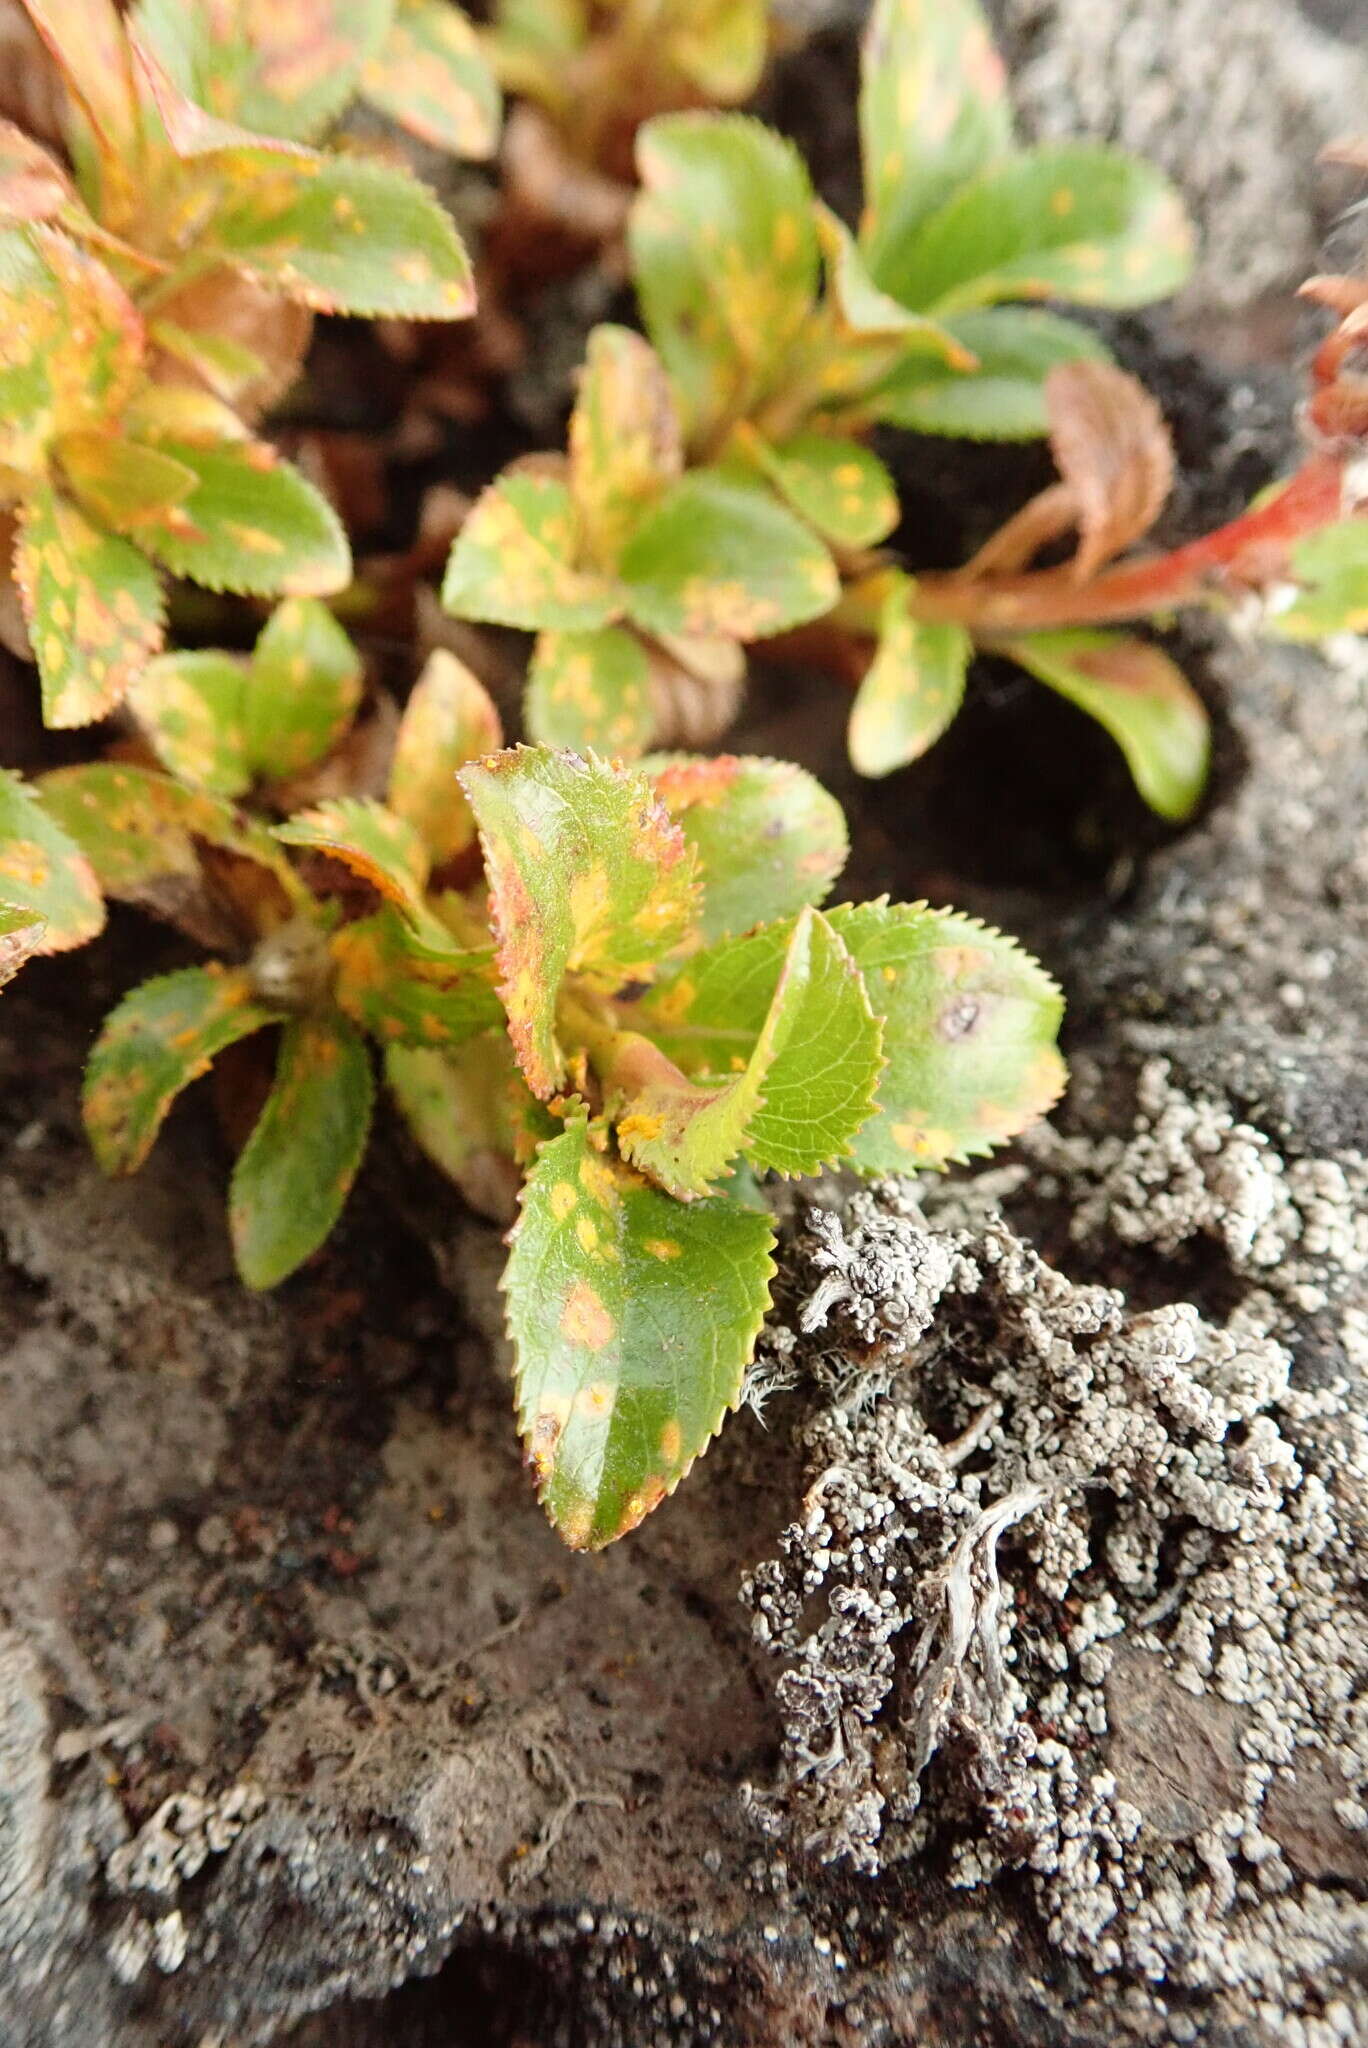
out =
column 31, row 91
column 1112, row 449
column 254, row 340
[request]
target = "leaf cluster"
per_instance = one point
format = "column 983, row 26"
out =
column 153, row 293
column 615, row 982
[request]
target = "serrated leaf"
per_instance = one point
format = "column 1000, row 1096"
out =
column 402, row 995
column 912, row 688
column 296, row 1170
column 191, row 707
column 1140, row 697
column 373, row 842
column 449, row 719
column 44, row 874
column 837, row 486
column 587, row 875
column 1003, row 399
column 718, row 555
column 71, row 344
column 591, row 692
column 282, row 67
column 803, row 1093
column 139, row 831
column 719, row 46
column 21, row 936
column 251, row 524
column 92, row 604
column 1330, row 590
column 513, row 563
column 1075, row 221
column 970, row 1023
column 88, row 42
column 303, row 687
column 933, row 113
column 431, row 76
column 160, row 1038
column 465, row 1109
column 625, row 444
column 768, row 837
column 343, row 235
column 724, row 257
column 633, row 1319
column 120, row 484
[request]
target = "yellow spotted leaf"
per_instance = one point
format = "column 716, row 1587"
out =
column 449, row 719
column 431, row 76
column 44, row 877
column 92, row 604
column 633, row 1318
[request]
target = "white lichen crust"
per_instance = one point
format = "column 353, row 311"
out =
column 1073, row 1587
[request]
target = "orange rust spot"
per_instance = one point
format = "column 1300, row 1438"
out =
column 585, row 1320
column 671, row 1442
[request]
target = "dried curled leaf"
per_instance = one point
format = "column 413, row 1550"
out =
column 633, row 1318
column 1113, row 451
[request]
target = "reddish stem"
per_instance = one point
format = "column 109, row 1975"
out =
column 1246, row 552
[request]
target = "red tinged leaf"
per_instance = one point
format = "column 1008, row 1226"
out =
column 1113, row 451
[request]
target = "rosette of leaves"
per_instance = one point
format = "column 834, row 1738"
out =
column 629, row 567
column 594, row 69
column 161, row 287
column 767, row 311
column 614, row 986
column 1115, row 464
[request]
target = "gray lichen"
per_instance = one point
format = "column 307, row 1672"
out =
column 1072, row 1588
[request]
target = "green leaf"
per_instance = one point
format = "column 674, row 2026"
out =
column 625, row 443
column 912, row 689
column 191, row 707
column 1330, row 592
column 287, row 69
column 933, row 113
column 343, row 235
column 719, row 45
column 303, row 687
column 1140, row 697
column 121, row 484
column 252, row 524
column 431, row 76
column 73, row 351
column 587, row 875
column 591, row 692
column 139, row 831
column 44, row 874
column 449, row 719
column 513, row 563
column 402, row 995
column 837, row 486
column 718, row 555
column 768, row 837
column 724, row 257
column 1004, row 398
column 373, row 842
column 92, row 604
column 970, row 1023
column 296, row 1170
column 1075, row 221
column 804, row 1092
column 633, row 1319
column 161, row 1038
column 465, row 1109
column 21, row 936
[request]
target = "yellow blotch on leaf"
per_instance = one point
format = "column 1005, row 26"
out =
column 585, row 1320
